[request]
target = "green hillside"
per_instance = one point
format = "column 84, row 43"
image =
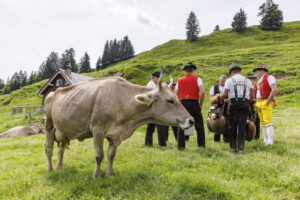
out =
column 214, row 53
column 165, row 173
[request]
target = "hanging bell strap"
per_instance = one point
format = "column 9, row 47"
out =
column 245, row 87
column 235, row 88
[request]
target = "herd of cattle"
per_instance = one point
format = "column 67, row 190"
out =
column 105, row 108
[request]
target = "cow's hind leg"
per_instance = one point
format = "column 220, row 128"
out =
column 49, row 143
column 61, row 150
column 110, row 157
column 99, row 155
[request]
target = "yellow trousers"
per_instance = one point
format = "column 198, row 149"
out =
column 264, row 111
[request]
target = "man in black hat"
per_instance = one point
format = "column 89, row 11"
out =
column 240, row 91
column 190, row 90
column 265, row 92
column 161, row 130
column 253, row 111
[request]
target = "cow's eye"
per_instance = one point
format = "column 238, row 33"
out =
column 170, row 101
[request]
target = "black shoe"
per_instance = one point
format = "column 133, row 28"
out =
column 233, row 150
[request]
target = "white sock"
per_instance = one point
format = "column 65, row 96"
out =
column 270, row 131
column 264, row 129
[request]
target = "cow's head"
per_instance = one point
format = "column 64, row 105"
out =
column 39, row 128
column 165, row 106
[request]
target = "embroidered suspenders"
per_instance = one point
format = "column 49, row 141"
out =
column 235, row 84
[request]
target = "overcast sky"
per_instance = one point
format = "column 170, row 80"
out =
column 31, row 29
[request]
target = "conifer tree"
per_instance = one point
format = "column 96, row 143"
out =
column 272, row 17
column 99, row 64
column 1, row 83
column 68, row 58
column 31, row 78
column 217, row 28
column 239, row 23
column 84, row 65
column 105, row 56
column 192, row 27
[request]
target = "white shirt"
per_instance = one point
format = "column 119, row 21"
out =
column 151, row 84
column 212, row 90
column 271, row 80
column 240, row 86
column 199, row 82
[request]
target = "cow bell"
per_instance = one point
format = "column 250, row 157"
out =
column 219, row 125
column 208, row 123
column 250, row 130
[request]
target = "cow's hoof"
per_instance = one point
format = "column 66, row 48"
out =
column 59, row 167
column 109, row 172
column 95, row 176
column 50, row 169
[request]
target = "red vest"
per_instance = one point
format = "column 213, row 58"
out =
column 188, row 87
column 264, row 89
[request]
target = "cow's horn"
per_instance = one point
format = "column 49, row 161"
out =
column 161, row 77
column 171, row 81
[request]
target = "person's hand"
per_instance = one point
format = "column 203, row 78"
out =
column 226, row 100
column 216, row 98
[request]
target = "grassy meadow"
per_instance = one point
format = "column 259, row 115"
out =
column 263, row 172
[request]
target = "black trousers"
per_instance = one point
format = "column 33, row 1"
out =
column 175, row 132
column 257, row 124
column 161, row 132
column 239, row 111
column 192, row 106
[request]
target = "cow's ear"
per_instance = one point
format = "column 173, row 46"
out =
column 144, row 98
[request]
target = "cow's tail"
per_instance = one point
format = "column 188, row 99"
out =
column 48, row 105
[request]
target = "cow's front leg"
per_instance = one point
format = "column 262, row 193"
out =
column 99, row 155
column 110, row 157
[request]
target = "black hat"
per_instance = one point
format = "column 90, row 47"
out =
column 261, row 68
column 189, row 65
column 233, row 67
column 250, row 76
column 157, row 74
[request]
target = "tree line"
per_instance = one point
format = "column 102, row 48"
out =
column 271, row 19
column 114, row 51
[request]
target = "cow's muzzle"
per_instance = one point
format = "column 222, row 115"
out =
column 188, row 123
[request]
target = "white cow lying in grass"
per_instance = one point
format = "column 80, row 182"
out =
column 32, row 129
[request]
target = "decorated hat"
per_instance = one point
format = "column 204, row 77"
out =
column 234, row 67
column 157, row 74
column 189, row 65
column 250, row 76
column 261, row 68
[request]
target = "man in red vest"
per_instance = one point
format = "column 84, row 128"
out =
column 190, row 90
column 265, row 91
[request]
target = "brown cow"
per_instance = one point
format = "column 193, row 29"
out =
column 32, row 129
column 110, row 108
